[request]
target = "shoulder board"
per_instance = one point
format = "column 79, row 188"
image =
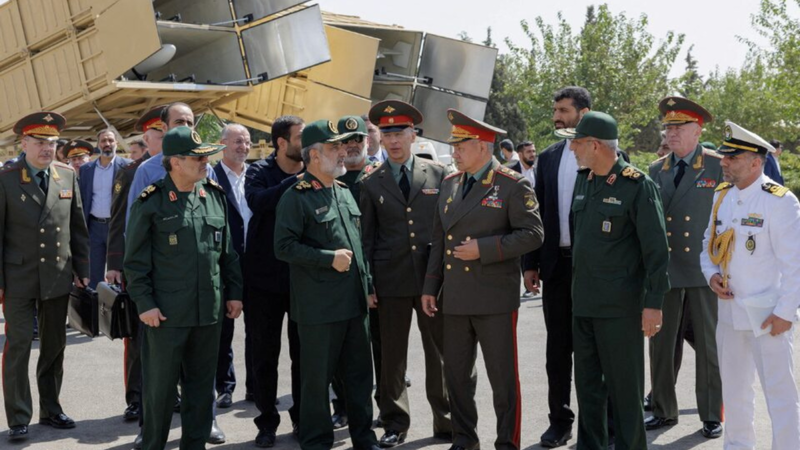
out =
column 453, row 175
column 302, row 185
column 659, row 160
column 632, row 173
column 215, row 185
column 775, row 189
column 436, row 163
column 514, row 175
column 340, row 183
column 722, row 186
column 711, row 153
column 148, row 192
column 62, row 165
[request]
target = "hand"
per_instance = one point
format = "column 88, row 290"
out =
column 372, row 301
column 152, row 318
column 80, row 282
column 234, row 308
column 716, row 285
column 429, row 305
column 114, row 277
column 531, row 278
column 779, row 325
column 467, row 251
column 651, row 321
column 342, row 260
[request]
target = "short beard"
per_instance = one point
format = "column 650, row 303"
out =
column 295, row 156
column 356, row 160
column 332, row 168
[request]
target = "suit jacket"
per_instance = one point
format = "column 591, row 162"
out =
column 502, row 214
column 397, row 232
column 45, row 240
column 87, row 181
column 515, row 165
column 264, row 186
column 686, row 210
column 235, row 221
column 771, row 169
column 119, row 208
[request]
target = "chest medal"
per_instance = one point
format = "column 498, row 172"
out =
column 750, row 245
column 606, row 226
column 173, row 239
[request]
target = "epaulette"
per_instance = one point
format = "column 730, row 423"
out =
column 659, row 160
column 722, row 186
column 302, row 185
column 711, row 153
column 436, row 163
column 774, row 189
column 369, row 169
column 215, row 185
column 341, row 183
column 514, row 175
column 63, row 166
column 454, row 174
column 632, row 173
column 148, row 192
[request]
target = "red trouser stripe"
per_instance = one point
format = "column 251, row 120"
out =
column 518, row 421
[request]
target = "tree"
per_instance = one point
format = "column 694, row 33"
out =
column 690, row 84
column 503, row 110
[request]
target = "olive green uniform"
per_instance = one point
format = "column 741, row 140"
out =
column 179, row 258
column 330, row 307
column 620, row 262
column 687, row 208
column 44, row 243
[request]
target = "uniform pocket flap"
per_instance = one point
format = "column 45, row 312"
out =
column 324, row 216
column 610, row 210
column 171, row 225
column 216, row 221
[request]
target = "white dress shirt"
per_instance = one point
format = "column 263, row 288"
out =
column 529, row 174
column 237, row 185
column 567, row 174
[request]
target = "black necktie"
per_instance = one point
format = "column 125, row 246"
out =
column 681, row 171
column 467, row 187
column 405, row 186
column 42, row 181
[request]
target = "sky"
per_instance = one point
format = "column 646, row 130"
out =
column 711, row 26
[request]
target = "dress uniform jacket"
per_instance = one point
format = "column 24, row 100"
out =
column 502, row 213
column 45, row 239
column 119, row 208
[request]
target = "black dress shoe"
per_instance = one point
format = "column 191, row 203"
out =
column 648, row 402
column 18, row 432
column 392, row 438
column 224, row 400
column 217, row 436
column 137, row 443
column 654, row 423
column 61, row 421
column 339, row 421
column 555, row 437
column 265, row 438
column 443, row 436
column 711, row 430
column 132, row 412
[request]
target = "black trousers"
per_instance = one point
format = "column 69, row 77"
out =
column 267, row 311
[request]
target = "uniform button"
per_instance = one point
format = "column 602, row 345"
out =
column 58, row 244
column 41, row 231
column 58, row 229
column 670, row 248
column 735, row 220
column 669, row 233
column 739, row 202
column 41, row 245
column 687, row 249
column 411, row 222
column 449, row 252
column 448, row 266
column 468, row 238
column 687, row 218
column 413, row 247
column 408, row 209
column 449, row 236
column 669, row 219
column 466, row 269
column 42, row 260
column 58, row 258
column 412, row 235
column 686, row 234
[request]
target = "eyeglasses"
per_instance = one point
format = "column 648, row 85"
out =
column 358, row 139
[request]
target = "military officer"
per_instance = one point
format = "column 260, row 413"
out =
column 318, row 233
column 45, row 247
column 750, row 260
column 487, row 217
column 181, row 267
column 619, row 280
column 397, row 202
column 686, row 179
column 77, row 153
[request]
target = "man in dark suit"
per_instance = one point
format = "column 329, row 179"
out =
column 97, row 188
column 486, row 218
column 267, row 278
column 397, row 204
column 772, row 168
column 45, row 247
column 231, row 175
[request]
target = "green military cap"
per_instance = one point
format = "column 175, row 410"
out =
column 77, row 148
column 351, row 126
column 594, row 124
column 679, row 110
column 394, row 115
column 44, row 125
column 738, row 140
column 319, row 132
column 184, row 141
column 151, row 120
column 466, row 128
column 709, row 145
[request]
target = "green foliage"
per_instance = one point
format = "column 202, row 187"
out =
column 209, row 128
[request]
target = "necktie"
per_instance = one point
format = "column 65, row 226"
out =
column 42, row 181
column 681, row 171
column 467, row 187
column 405, row 186
column 373, row 159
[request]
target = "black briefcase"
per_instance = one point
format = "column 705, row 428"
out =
column 82, row 310
column 118, row 316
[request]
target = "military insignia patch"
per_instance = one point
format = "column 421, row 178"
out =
column 196, row 138
column 775, row 189
column 22, row 197
column 391, row 119
column 430, row 191
column 492, row 202
column 24, row 175
column 65, row 193
column 728, row 132
column 332, row 127
column 321, row 210
column 530, row 200
column 48, row 118
column 351, row 124
column 750, row 245
column 450, row 199
column 117, row 188
column 722, row 186
column 302, row 185
column 606, row 226
column 315, row 184
column 147, row 191
column 753, row 221
column 202, row 193
column 173, row 197
column 706, row 183
column 380, row 200
column 488, row 180
column 388, row 110
column 671, row 102
column 611, row 179
column 173, row 239
column 612, row 201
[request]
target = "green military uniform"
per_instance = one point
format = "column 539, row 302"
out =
column 480, row 298
column 620, row 259
column 44, row 243
column 330, row 307
column 397, row 234
column 687, row 207
column 178, row 258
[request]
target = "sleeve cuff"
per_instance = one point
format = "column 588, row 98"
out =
column 653, row 301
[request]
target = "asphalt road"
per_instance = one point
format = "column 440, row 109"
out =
column 93, row 395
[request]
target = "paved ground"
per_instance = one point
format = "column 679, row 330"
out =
column 93, row 395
